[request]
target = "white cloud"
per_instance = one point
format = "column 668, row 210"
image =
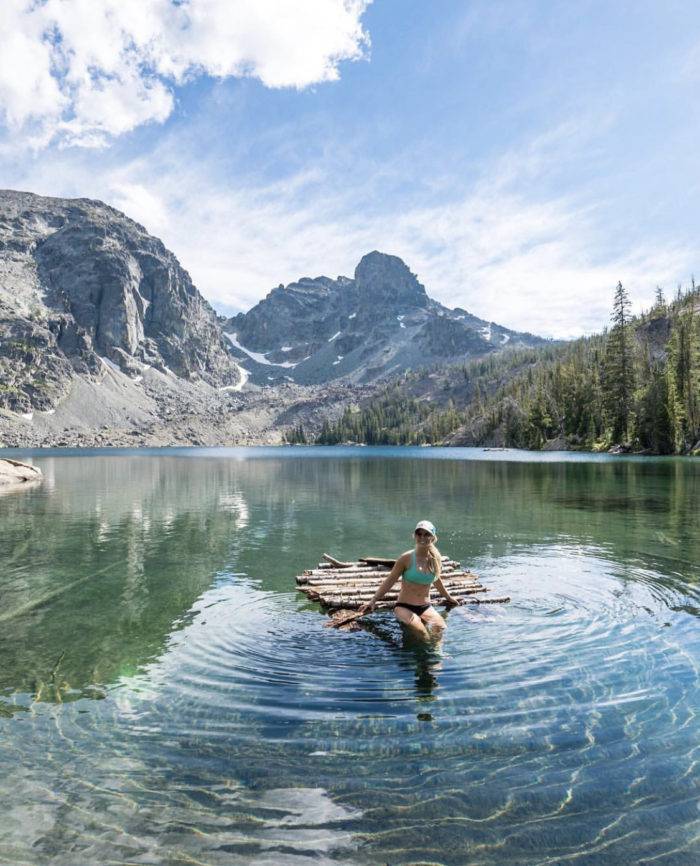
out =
column 26, row 84
column 80, row 71
column 536, row 266
column 503, row 248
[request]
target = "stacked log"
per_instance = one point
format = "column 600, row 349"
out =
column 339, row 585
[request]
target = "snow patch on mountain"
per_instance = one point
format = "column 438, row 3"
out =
column 258, row 357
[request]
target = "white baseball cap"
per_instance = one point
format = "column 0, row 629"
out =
column 426, row 524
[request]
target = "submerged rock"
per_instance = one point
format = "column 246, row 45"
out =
column 16, row 472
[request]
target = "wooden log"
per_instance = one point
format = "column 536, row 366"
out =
column 331, row 572
column 369, row 569
column 326, row 566
column 365, row 568
column 352, row 600
column 502, row 600
column 370, row 588
column 346, row 619
column 367, row 575
column 361, row 599
column 396, row 588
column 336, row 580
column 361, row 579
column 378, row 560
column 389, row 563
column 375, row 563
column 336, row 562
column 390, row 605
column 315, row 592
column 363, row 572
column 374, row 583
column 355, row 566
column 343, row 620
column 370, row 560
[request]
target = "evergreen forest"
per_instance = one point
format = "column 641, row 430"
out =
column 635, row 387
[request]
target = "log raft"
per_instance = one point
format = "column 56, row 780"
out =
column 345, row 586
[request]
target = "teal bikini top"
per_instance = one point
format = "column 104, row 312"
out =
column 414, row 576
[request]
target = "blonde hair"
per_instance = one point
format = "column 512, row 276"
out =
column 435, row 560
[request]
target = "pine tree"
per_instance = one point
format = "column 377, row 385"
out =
column 619, row 372
column 684, row 376
column 297, row 436
column 659, row 307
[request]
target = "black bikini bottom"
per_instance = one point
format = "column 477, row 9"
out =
column 416, row 608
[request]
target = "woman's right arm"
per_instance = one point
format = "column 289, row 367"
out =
column 386, row 584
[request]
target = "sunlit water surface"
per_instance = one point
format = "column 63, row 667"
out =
column 167, row 697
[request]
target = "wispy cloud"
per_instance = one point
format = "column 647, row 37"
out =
column 501, row 248
column 504, row 247
column 80, row 72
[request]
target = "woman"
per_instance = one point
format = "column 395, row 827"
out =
column 418, row 568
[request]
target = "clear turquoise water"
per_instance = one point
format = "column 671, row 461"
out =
column 166, row 696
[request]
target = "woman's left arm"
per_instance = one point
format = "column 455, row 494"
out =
column 441, row 589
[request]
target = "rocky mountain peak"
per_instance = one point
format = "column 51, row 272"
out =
column 82, row 286
column 380, row 323
column 385, row 279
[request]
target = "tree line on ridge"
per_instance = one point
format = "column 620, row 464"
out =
column 635, row 387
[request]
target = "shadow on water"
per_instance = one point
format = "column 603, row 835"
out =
column 412, row 651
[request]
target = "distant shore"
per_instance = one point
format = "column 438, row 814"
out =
column 126, row 445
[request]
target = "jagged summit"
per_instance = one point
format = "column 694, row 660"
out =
column 15, row 202
column 82, row 287
column 101, row 329
column 381, row 278
column 375, row 325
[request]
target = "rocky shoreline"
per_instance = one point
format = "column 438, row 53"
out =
column 14, row 473
column 161, row 411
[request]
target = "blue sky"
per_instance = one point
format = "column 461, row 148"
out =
column 521, row 157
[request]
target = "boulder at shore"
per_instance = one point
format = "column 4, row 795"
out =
column 16, row 472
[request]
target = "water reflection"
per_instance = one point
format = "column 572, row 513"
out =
column 231, row 727
column 414, row 651
column 102, row 565
column 102, row 562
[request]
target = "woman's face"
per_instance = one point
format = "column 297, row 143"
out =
column 423, row 537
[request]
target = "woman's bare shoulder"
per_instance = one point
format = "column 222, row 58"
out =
column 405, row 557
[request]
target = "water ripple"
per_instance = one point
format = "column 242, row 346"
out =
column 564, row 723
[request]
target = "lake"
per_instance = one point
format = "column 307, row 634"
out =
column 168, row 697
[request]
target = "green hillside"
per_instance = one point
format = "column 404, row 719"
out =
column 636, row 386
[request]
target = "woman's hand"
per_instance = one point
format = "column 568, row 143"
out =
column 453, row 602
column 368, row 607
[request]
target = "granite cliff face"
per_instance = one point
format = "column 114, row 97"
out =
column 360, row 330
column 104, row 340
column 83, row 287
column 385, row 282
